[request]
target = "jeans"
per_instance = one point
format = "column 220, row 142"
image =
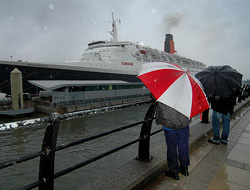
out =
column 216, row 126
column 177, row 139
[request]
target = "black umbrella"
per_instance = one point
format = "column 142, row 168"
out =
column 220, row 81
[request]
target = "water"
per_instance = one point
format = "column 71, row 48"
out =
column 16, row 143
column 4, row 119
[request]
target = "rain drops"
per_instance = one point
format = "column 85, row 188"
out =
column 217, row 97
column 153, row 11
column 51, row 6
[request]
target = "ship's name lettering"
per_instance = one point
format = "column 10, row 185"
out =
column 127, row 63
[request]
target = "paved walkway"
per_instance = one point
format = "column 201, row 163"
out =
column 217, row 166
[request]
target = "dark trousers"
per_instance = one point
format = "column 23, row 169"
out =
column 177, row 140
column 205, row 116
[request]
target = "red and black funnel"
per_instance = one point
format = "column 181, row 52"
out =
column 169, row 44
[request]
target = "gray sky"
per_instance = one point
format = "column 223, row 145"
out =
column 215, row 32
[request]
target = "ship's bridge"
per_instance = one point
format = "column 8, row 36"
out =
column 99, row 44
column 100, row 50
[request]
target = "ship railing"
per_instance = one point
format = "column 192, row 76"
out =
column 47, row 175
column 101, row 100
column 136, row 97
column 4, row 106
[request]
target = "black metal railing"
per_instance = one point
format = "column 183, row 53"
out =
column 244, row 93
column 47, row 154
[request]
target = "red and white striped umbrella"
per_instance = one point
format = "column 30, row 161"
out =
column 171, row 85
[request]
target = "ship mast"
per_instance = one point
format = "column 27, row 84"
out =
column 114, row 30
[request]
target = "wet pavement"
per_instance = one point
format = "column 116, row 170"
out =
column 216, row 166
column 212, row 166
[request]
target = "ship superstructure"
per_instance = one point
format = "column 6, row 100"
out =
column 102, row 60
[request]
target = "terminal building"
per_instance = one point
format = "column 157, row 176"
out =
column 69, row 96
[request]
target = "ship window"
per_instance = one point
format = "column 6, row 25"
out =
column 76, row 89
column 120, row 87
column 60, row 89
column 96, row 88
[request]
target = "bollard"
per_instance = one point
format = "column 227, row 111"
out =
column 144, row 143
column 47, row 162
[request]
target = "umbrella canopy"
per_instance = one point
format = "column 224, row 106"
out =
column 169, row 117
column 220, row 81
column 171, row 85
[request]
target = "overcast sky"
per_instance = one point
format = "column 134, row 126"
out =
column 215, row 32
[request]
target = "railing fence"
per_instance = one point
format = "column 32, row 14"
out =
column 47, row 154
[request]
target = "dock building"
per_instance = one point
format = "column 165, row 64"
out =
column 69, row 96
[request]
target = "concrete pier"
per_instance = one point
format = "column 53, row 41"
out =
column 212, row 166
column 16, row 89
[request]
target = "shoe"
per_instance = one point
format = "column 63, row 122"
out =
column 184, row 171
column 223, row 142
column 211, row 141
column 172, row 175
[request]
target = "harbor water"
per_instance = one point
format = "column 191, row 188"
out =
column 19, row 142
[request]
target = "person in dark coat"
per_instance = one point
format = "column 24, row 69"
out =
column 176, row 130
column 222, row 109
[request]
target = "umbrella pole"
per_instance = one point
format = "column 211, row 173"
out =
column 144, row 143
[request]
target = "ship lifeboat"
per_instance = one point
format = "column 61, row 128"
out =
column 143, row 52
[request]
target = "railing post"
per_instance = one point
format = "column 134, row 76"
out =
column 47, row 162
column 240, row 95
column 243, row 93
column 144, row 143
column 247, row 91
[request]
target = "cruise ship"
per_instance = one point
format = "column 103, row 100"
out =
column 102, row 60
